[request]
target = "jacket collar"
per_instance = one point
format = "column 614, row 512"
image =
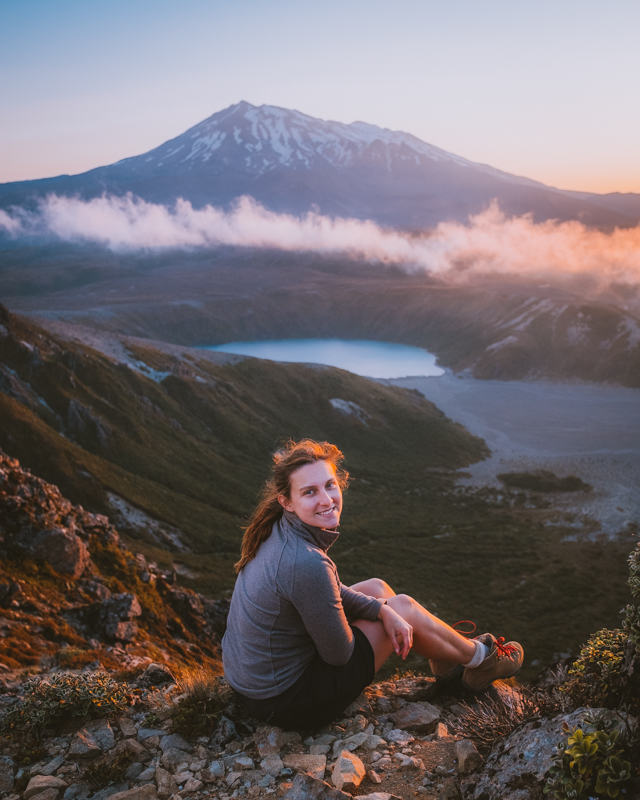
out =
column 321, row 537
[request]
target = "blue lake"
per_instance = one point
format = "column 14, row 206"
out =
column 362, row 357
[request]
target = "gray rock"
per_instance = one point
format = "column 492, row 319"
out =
column 48, row 794
column 149, row 774
column 77, row 791
column 269, row 740
column 134, row 770
column 399, row 737
column 243, row 762
column 173, row 740
column 216, row 769
column 147, row 792
column 304, row 787
column 516, row 767
column 84, row 746
column 373, row 776
column 137, row 751
column 127, row 727
column 234, row 779
column 350, row 743
column 147, row 733
column 272, row 764
column 319, row 749
column 52, row 766
column 379, row 796
column 111, row 791
column 6, row 774
column 469, row 759
column 266, row 782
column 173, row 757
column 408, row 762
column 101, row 732
column 42, row 782
column 373, row 742
column 225, row 732
column 116, row 616
column 166, row 786
column 310, row 764
column 348, row 772
column 192, row 785
column 420, row 717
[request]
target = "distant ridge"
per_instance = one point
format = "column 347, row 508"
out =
column 291, row 162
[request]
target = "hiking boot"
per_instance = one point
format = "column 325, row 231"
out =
column 446, row 671
column 503, row 661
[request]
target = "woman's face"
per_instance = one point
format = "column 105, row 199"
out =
column 315, row 495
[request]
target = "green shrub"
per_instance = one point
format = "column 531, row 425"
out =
column 631, row 622
column 589, row 762
column 47, row 703
column 594, row 678
column 543, row 481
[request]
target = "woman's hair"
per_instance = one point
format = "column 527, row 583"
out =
column 285, row 462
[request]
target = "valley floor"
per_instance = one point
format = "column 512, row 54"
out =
column 585, row 429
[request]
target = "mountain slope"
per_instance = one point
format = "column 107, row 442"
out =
column 292, row 163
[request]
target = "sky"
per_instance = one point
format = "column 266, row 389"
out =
column 547, row 90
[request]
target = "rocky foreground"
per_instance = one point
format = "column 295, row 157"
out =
column 391, row 742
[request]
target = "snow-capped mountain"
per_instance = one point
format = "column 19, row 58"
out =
column 268, row 137
column 292, row 162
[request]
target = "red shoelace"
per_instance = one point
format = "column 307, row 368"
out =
column 504, row 650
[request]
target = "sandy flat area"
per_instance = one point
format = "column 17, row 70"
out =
column 582, row 429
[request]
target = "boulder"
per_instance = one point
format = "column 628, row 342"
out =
column 517, row 765
column 117, row 614
column 63, row 550
column 42, row 782
column 172, row 758
column 419, row 717
column 51, row 767
column 310, row 764
column 304, row 787
column 348, row 772
column 408, row 762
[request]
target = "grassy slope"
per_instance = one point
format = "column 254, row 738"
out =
column 194, row 449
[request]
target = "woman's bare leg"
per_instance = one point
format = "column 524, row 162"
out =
column 432, row 638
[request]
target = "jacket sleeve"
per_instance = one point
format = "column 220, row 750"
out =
column 315, row 592
column 357, row 605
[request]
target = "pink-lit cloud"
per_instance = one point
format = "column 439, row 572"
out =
column 489, row 244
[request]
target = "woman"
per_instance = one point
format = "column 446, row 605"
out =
column 300, row 646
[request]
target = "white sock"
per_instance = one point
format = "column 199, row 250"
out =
column 482, row 651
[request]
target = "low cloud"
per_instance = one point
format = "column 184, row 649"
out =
column 489, row 244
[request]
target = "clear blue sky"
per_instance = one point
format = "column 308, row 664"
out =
column 547, row 89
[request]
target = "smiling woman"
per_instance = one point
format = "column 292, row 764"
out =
column 300, row 645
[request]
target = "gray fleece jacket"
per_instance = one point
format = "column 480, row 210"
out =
column 288, row 604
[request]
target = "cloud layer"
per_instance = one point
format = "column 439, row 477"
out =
column 490, row 244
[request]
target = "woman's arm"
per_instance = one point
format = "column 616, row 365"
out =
column 358, row 605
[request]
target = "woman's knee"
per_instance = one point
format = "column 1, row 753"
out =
column 405, row 605
column 374, row 587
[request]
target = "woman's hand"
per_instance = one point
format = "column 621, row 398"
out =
column 398, row 630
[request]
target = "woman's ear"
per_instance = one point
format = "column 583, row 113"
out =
column 285, row 502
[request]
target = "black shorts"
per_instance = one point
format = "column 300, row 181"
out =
column 321, row 693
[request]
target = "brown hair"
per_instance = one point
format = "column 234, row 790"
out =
column 285, row 462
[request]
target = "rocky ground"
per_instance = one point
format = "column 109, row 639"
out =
column 391, row 742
